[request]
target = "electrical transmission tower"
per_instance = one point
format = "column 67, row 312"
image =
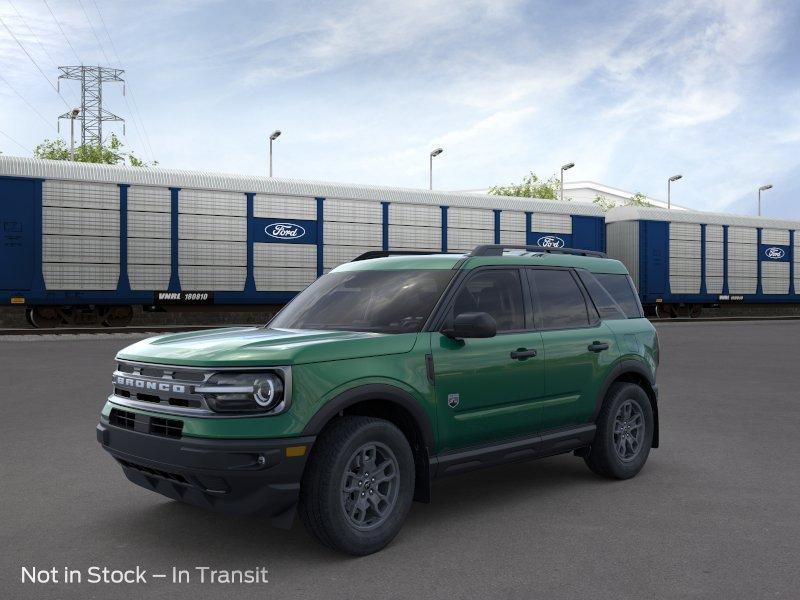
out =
column 92, row 113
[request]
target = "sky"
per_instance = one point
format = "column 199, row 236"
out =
column 631, row 92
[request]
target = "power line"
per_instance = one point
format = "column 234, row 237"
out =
column 61, row 29
column 35, row 64
column 99, row 43
column 21, row 97
column 16, row 142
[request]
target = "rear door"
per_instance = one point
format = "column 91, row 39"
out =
column 17, row 227
column 579, row 347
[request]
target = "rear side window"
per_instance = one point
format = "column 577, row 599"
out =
column 494, row 291
column 607, row 306
column 559, row 299
column 622, row 290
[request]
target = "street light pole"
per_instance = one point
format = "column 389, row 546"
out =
column 669, row 189
column 565, row 167
column 273, row 136
column 72, row 115
column 436, row 152
column 763, row 188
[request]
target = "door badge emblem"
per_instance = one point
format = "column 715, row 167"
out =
column 453, row 400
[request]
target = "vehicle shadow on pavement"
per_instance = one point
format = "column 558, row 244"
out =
column 457, row 502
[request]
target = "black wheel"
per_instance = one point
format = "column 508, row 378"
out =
column 117, row 316
column 358, row 485
column 44, row 317
column 695, row 311
column 624, row 433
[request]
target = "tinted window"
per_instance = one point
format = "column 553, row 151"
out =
column 379, row 301
column 497, row 292
column 605, row 304
column 559, row 299
column 623, row 292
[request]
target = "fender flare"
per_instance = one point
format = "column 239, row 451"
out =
column 373, row 391
column 639, row 368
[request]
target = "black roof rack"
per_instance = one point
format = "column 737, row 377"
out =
column 497, row 250
column 386, row 253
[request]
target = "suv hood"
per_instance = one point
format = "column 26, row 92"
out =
column 258, row 346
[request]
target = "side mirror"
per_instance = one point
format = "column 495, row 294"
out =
column 472, row 325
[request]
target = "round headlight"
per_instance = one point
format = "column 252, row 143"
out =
column 268, row 391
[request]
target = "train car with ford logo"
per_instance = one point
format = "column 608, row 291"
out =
column 683, row 261
column 88, row 242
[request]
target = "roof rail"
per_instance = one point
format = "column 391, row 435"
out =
column 386, row 253
column 497, row 250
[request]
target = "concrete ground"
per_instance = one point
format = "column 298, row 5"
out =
column 714, row 514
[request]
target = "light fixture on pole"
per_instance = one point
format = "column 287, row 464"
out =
column 763, row 188
column 73, row 114
column 273, row 136
column 669, row 189
column 436, row 152
column 565, row 167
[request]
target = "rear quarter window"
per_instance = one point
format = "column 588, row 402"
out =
column 622, row 291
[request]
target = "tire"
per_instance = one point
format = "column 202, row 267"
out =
column 620, row 457
column 334, row 498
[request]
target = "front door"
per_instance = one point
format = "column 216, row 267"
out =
column 484, row 394
column 579, row 348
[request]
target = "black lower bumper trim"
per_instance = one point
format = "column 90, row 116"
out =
column 244, row 477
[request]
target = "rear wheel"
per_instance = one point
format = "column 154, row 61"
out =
column 358, row 485
column 624, row 433
column 117, row 316
column 44, row 316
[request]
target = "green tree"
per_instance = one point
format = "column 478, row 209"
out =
column 531, row 187
column 606, row 204
column 112, row 153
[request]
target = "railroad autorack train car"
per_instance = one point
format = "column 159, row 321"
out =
column 682, row 261
column 87, row 242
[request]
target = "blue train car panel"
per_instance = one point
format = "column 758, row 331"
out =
column 18, row 226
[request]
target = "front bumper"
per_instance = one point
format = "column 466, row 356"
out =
column 244, row 477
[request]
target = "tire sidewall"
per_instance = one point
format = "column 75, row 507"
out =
column 619, row 468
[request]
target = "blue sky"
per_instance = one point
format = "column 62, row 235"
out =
column 632, row 92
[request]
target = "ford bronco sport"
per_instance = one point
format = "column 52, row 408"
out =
column 384, row 375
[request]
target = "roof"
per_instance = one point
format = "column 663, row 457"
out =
column 14, row 166
column 449, row 261
column 637, row 213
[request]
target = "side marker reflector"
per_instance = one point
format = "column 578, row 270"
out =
column 292, row 451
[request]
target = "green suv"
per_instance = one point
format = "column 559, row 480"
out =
column 386, row 374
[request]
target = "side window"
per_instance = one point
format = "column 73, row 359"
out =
column 497, row 292
column 559, row 299
column 623, row 292
column 605, row 304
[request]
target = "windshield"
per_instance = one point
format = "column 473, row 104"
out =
column 398, row 301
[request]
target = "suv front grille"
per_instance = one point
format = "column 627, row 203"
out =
column 172, row 428
column 169, row 428
column 122, row 418
column 150, row 471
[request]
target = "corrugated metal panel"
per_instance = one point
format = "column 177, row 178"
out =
column 634, row 213
column 684, row 249
column 207, row 278
column 622, row 243
column 551, row 223
column 284, row 207
column 775, row 276
column 715, row 268
column 742, row 235
column 337, row 255
column 204, row 202
column 684, row 266
column 80, row 276
column 684, row 231
column 467, row 218
column 411, row 214
column 208, row 227
column 144, row 251
column 79, row 194
column 72, row 248
column 742, row 268
column 270, row 279
column 149, row 225
column 353, row 211
column 462, row 240
column 76, row 221
column 742, row 252
column 148, row 277
column 684, row 284
column 715, row 250
column 349, row 234
column 519, row 238
column 160, row 177
column 203, row 252
column 715, row 233
column 149, row 199
column 714, row 285
column 285, row 255
column 409, row 237
column 511, row 220
column 775, row 236
column 742, row 285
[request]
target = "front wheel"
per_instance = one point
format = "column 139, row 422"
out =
column 624, row 433
column 358, row 485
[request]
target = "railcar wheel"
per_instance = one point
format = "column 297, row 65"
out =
column 695, row 311
column 118, row 316
column 44, row 317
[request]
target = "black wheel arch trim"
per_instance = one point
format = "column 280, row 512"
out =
column 367, row 392
column 639, row 368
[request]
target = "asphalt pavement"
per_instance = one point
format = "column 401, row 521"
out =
column 714, row 514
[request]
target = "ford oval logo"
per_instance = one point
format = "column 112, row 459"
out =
column 550, row 241
column 775, row 253
column 285, row 231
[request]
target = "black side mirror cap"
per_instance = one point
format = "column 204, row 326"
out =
column 472, row 325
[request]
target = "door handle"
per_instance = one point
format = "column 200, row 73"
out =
column 522, row 354
column 597, row 347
